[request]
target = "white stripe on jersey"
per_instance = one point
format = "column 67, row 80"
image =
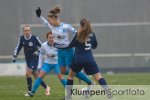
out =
column 38, row 40
column 16, row 49
column 45, row 22
column 48, row 51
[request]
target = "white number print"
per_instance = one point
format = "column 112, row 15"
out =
column 88, row 45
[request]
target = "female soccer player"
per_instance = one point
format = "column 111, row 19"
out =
column 83, row 42
column 50, row 62
column 30, row 43
column 61, row 31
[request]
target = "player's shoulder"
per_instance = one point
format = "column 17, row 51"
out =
column 44, row 43
column 91, row 34
column 62, row 23
column 66, row 24
column 34, row 36
column 21, row 36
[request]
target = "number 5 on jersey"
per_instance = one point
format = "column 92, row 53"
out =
column 87, row 44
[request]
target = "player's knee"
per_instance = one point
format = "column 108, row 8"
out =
column 60, row 76
column 35, row 74
column 63, row 70
column 70, row 77
column 97, row 76
column 28, row 73
column 71, row 74
column 42, row 74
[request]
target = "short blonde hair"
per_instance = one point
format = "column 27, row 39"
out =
column 25, row 26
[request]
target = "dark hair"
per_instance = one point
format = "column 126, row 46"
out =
column 54, row 12
column 48, row 34
column 84, row 30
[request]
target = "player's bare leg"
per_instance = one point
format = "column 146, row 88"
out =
column 62, row 79
column 63, row 70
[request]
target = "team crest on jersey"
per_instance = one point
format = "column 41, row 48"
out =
column 30, row 44
column 32, row 66
column 64, row 30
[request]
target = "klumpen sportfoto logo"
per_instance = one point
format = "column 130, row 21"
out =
column 115, row 92
column 86, row 91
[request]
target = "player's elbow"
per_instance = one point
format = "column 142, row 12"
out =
column 94, row 46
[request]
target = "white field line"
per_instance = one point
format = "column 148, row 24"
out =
column 100, row 24
column 97, row 55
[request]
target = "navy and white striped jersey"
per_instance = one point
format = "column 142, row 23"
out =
column 30, row 45
column 83, row 52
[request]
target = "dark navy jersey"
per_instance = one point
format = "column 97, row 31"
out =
column 30, row 46
column 83, row 52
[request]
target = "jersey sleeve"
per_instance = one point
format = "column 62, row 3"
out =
column 38, row 41
column 45, row 22
column 70, row 29
column 18, row 47
column 94, row 42
column 42, row 52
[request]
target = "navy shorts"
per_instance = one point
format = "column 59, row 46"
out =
column 32, row 63
column 90, row 68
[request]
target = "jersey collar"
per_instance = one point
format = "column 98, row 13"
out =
column 49, row 44
column 29, row 37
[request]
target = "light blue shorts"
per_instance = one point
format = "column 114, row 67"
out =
column 65, row 57
column 48, row 67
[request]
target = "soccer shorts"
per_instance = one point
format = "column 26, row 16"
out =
column 48, row 67
column 90, row 68
column 32, row 63
column 65, row 57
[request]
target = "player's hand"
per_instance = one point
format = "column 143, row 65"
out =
column 51, row 55
column 36, row 53
column 14, row 59
column 38, row 12
column 39, row 68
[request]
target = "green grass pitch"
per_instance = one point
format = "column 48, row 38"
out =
column 14, row 87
